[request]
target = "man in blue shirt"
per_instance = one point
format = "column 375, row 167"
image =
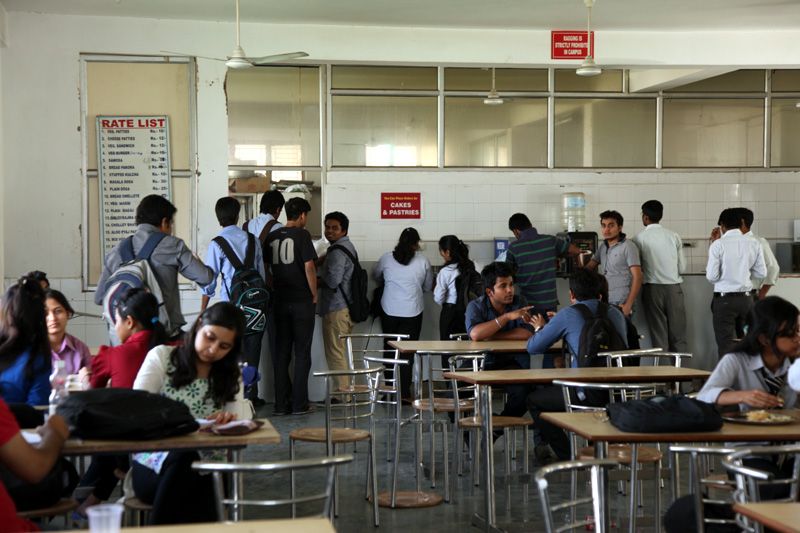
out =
column 585, row 287
column 227, row 210
column 500, row 315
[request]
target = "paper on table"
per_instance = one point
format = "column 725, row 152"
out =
column 31, row 437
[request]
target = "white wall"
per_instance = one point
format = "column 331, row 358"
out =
column 41, row 161
column 3, row 37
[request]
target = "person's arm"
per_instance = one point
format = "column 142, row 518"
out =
column 191, row 267
column 759, row 268
column 491, row 328
column 153, row 373
column 332, row 273
column 377, row 271
column 213, row 262
column 101, row 368
column 440, row 289
column 634, row 264
column 427, row 283
column 721, row 387
column 32, row 463
column 773, row 270
column 311, row 277
column 548, row 334
column 714, row 264
column 754, row 398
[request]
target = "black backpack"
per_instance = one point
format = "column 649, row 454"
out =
column 662, row 414
column 469, row 286
column 125, row 414
column 597, row 335
column 357, row 301
column 247, row 290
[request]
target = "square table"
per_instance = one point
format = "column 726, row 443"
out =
column 299, row 525
column 781, row 517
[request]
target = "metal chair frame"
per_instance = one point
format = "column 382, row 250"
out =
column 218, row 469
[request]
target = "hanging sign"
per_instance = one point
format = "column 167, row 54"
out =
column 569, row 44
column 401, row 205
column 132, row 162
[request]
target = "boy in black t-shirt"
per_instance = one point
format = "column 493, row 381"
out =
column 290, row 254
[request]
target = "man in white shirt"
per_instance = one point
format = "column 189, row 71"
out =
column 663, row 261
column 761, row 286
column 732, row 260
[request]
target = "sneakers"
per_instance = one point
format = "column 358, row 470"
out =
column 544, row 454
column 305, row 410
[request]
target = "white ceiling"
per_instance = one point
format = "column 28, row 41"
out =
column 659, row 15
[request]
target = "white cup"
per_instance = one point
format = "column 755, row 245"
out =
column 105, row 518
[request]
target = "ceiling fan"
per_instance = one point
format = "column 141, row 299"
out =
column 239, row 60
column 588, row 67
column 493, row 98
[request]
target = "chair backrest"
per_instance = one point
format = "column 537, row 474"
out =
column 617, row 357
column 390, row 385
column 464, row 363
column 436, row 384
column 597, row 500
column 322, row 496
column 358, row 347
column 701, row 480
column 658, row 356
column 751, row 482
column 574, row 402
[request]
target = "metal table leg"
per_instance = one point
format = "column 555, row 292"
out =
column 489, row 523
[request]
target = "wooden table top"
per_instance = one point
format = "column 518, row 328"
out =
column 198, row 440
column 594, row 426
column 782, row 517
column 410, row 347
column 627, row 374
column 299, row 525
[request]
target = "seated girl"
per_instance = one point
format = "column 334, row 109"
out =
column 64, row 347
column 139, row 330
column 203, row 374
column 24, row 345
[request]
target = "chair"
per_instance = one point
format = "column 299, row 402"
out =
column 658, row 357
column 597, row 474
column 327, row 463
column 751, row 482
column 355, row 355
column 354, row 406
column 627, row 454
column 62, row 507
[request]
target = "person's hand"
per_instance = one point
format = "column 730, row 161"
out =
column 516, row 314
column 550, row 314
column 760, row 399
column 55, row 425
column 83, row 375
column 222, row 417
column 537, row 321
column 626, row 309
column 716, row 233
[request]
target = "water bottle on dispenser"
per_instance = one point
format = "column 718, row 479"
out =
column 573, row 211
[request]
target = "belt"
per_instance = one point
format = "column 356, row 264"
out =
column 729, row 294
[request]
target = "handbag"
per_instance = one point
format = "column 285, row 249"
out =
column 664, row 414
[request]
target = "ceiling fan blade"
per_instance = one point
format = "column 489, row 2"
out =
column 182, row 54
column 275, row 58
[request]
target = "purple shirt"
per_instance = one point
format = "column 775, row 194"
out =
column 74, row 353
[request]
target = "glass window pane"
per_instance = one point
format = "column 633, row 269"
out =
column 513, row 134
column 595, row 132
column 786, row 81
column 713, row 132
column 506, row 79
column 384, row 131
column 273, row 116
column 733, row 82
column 610, row 81
column 785, row 132
column 408, row 78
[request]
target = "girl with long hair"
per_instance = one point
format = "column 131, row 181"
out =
column 458, row 269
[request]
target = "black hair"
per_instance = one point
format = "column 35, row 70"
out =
column 271, row 203
column 295, row 207
column 224, row 375
column 771, row 317
column 407, row 246
column 654, row 210
column 492, row 271
column 747, row 216
column 587, row 285
column 519, row 222
column 38, row 276
column 613, row 215
column 341, row 218
column 731, row 218
column 459, row 253
column 142, row 306
column 154, row 208
column 61, row 299
column 227, row 210
column 23, row 326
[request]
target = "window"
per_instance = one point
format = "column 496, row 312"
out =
column 785, row 132
column 609, row 81
column 733, row 82
column 506, row 79
column 398, row 78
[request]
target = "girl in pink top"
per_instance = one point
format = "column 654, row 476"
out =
column 63, row 346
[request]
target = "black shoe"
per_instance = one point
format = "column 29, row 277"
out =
column 305, row 410
column 281, row 411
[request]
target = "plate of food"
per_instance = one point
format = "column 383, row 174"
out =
column 760, row 417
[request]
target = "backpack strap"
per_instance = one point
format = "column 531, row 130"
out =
column 584, row 310
column 265, row 230
column 229, row 253
column 246, row 225
column 352, row 260
column 250, row 253
column 149, row 245
column 126, row 250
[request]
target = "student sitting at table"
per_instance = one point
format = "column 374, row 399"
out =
column 499, row 315
column 752, row 376
column 24, row 345
column 63, row 346
column 139, row 330
column 586, row 288
column 203, row 374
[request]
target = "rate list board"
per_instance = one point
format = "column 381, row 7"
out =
column 133, row 162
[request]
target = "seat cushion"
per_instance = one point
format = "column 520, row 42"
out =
column 622, row 453
column 498, row 422
column 339, row 435
column 443, row 405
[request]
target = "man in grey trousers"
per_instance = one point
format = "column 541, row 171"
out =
column 662, row 258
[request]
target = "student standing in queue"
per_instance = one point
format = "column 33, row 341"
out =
column 405, row 273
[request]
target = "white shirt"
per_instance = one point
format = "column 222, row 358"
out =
column 153, row 373
column 732, row 260
column 445, row 289
column 403, row 284
column 738, row 371
column 257, row 224
column 773, row 269
column 662, row 256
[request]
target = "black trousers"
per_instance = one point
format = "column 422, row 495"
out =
column 294, row 325
column 178, row 494
column 729, row 314
column 251, row 354
column 101, row 476
column 411, row 326
column 515, row 394
column 451, row 321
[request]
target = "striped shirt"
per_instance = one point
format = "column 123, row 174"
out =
column 534, row 257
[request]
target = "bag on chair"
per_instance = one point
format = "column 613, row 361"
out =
column 664, row 414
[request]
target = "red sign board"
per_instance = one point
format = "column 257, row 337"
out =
column 569, row 44
column 401, row 205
